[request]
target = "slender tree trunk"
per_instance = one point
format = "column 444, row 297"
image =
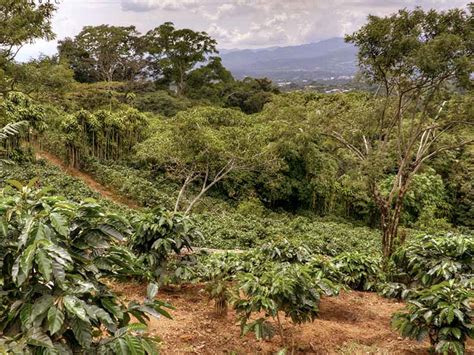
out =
column 189, row 178
column 280, row 328
column 390, row 221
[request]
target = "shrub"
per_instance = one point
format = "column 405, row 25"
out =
column 159, row 233
column 134, row 184
column 251, row 207
column 359, row 271
column 430, row 259
column 323, row 267
column 442, row 312
column 232, row 230
column 285, row 288
column 52, row 299
column 284, row 251
column 394, row 290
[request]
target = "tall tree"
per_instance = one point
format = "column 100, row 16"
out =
column 103, row 53
column 21, row 22
column 203, row 146
column 416, row 58
column 174, row 52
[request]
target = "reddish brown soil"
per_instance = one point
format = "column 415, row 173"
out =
column 86, row 178
column 352, row 323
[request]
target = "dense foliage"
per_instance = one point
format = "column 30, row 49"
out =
column 160, row 233
column 428, row 260
column 443, row 313
column 53, row 297
column 289, row 289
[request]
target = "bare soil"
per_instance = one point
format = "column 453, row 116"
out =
column 351, row 323
column 86, row 178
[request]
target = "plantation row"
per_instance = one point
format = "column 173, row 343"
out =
column 59, row 252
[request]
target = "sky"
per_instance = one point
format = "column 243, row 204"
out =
column 233, row 23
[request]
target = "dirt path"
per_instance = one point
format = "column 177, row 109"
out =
column 103, row 190
column 351, row 323
column 86, row 178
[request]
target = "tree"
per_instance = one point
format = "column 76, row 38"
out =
column 44, row 79
column 7, row 132
column 209, row 81
column 104, row 53
column 174, row 52
column 21, row 22
column 250, row 94
column 417, row 58
column 18, row 107
column 203, row 146
column 103, row 134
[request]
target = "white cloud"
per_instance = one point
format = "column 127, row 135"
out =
column 233, row 23
column 148, row 5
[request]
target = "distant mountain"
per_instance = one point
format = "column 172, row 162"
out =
column 332, row 58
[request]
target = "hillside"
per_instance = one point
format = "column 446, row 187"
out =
column 332, row 58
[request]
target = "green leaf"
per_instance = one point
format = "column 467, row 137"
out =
column 26, row 263
column 16, row 184
column 82, row 332
column 25, row 232
column 134, row 345
column 41, row 306
column 4, row 226
column 76, row 307
column 152, row 290
column 59, row 223
column 149, row 346
column 38, row 338
column 456, row 332
column 44, row 264
column 112, row 232
column 55, row 320
column 121, row 347
column 137, row 327
column 25, row 315
column 450, row 316
column 58, row 272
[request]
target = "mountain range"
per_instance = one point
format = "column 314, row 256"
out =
column 325, row 60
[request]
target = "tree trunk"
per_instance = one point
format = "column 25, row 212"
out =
column 390, row 220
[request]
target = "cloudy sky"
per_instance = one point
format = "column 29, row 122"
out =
column 234, row 23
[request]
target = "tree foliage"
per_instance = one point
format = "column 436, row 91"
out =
column 204, row 145
column 415, row 57
column 174, row 52
column 103, row 53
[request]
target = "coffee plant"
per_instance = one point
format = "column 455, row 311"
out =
column 431, row 259
column 53, row 298
column 285, row 251
column 287, row 289
column 359, row 271
column 159, row 233
column 443, row 313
